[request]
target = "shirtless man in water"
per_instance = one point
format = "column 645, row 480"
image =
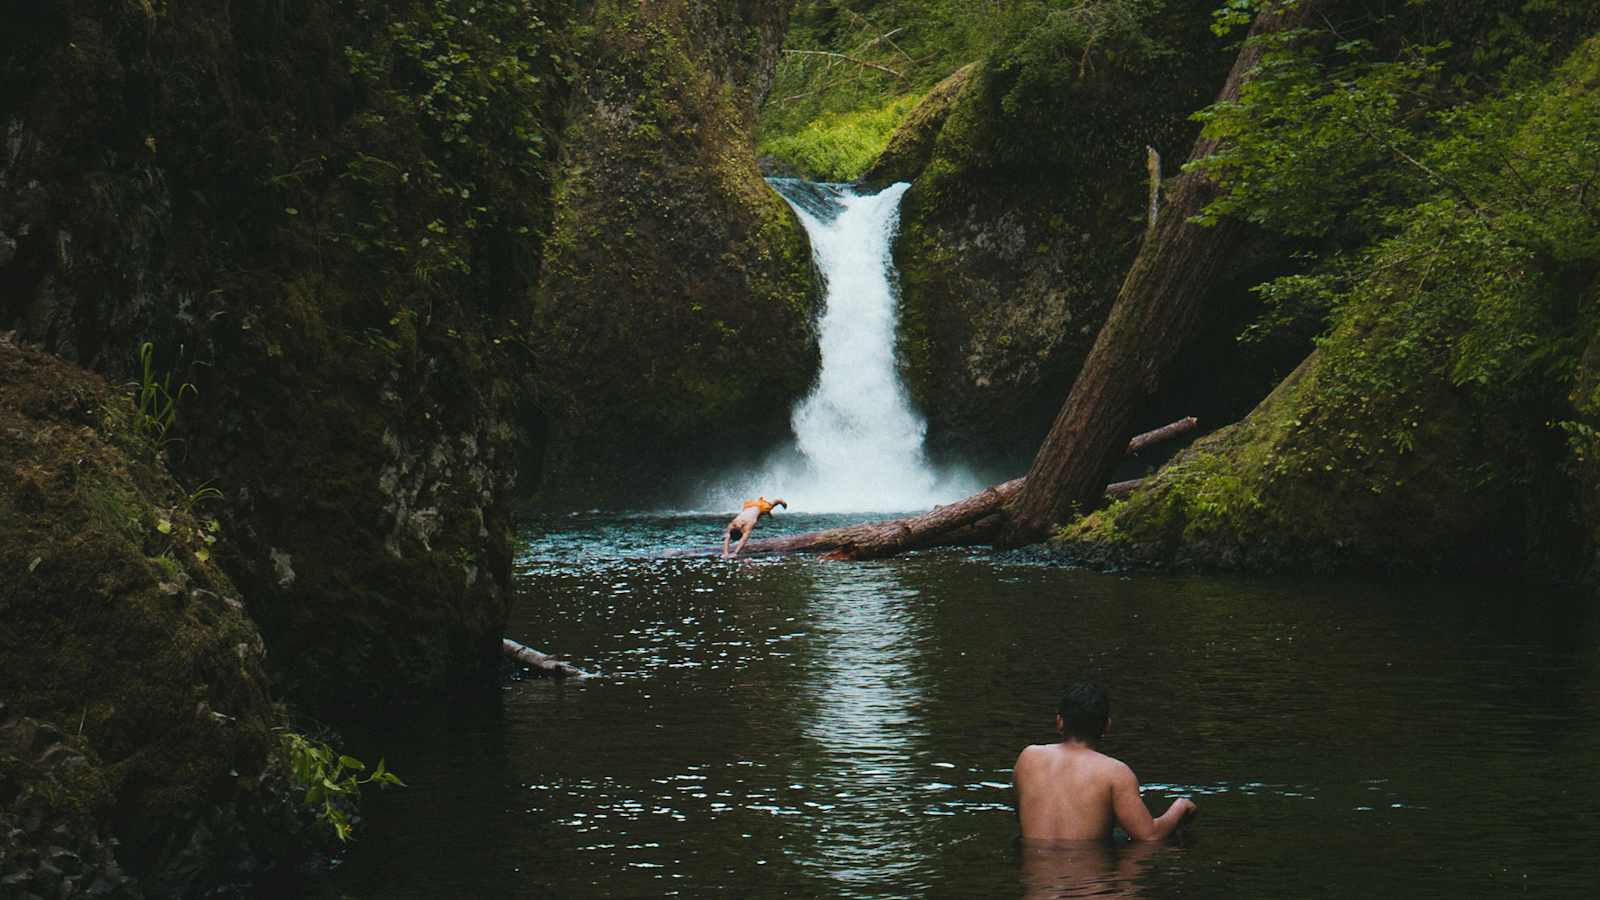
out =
column 745, row 522
column 1068, row 791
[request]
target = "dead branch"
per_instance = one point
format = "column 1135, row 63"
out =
column 851, row 59
column 524, row 655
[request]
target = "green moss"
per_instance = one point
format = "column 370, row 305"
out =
column 911, row 146
column 104, row 551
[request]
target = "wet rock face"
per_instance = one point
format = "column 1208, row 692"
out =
column 677, row 298
column 135, row 723
column 1019, row 227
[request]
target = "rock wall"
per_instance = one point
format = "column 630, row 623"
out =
column 136, row 742
column 1019, row 227
column 678, row 300
column 324, row 216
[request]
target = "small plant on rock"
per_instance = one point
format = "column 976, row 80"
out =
column 331, row 779
column 157, row 404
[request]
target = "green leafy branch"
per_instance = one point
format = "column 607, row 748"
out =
column 331, row 779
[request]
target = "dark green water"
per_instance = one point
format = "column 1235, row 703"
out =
column 804, row 728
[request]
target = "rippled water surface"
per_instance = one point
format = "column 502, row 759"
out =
column 804, row 728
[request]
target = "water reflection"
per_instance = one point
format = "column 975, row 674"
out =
column 862, row 722
column 1052, row 869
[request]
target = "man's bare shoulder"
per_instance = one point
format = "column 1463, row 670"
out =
column 1031, row 754
column 1114, row 769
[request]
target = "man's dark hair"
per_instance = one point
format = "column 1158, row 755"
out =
column 1085, row 710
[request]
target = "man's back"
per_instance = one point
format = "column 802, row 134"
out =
column 1071, row 792
column 1065, row 792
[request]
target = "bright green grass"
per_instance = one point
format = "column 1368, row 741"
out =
column 840, row 146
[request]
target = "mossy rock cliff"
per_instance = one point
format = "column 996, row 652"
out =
column 326, row 216
column 136, row 729
column 1016, row 233
column 678, row 298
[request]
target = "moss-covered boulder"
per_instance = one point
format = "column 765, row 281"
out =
column 326, row 217
column 1415, row 481
column 678, row 297
column 136, row 729
column 1019, row 228
column 911, row 145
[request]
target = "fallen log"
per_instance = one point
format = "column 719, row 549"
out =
column 524, row 655
column 978, row 519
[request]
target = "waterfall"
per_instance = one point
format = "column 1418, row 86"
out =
column 858, row 443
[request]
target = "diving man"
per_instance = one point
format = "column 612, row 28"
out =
column 745, row 522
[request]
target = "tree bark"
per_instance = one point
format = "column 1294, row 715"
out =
column 1153, row 317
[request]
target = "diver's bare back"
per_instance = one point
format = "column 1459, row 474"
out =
column 1070, row 792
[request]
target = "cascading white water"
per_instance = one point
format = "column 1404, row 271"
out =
column 858, row 442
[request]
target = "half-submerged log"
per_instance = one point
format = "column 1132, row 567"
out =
column 1152, row 319
column 524, row 655
column 978, row 519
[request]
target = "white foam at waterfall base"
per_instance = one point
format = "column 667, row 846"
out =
column 858, row 443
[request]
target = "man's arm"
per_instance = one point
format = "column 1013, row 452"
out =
column 1134, row 818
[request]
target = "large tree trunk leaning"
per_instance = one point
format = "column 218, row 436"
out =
column 1153, row 317
column 976, row 520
